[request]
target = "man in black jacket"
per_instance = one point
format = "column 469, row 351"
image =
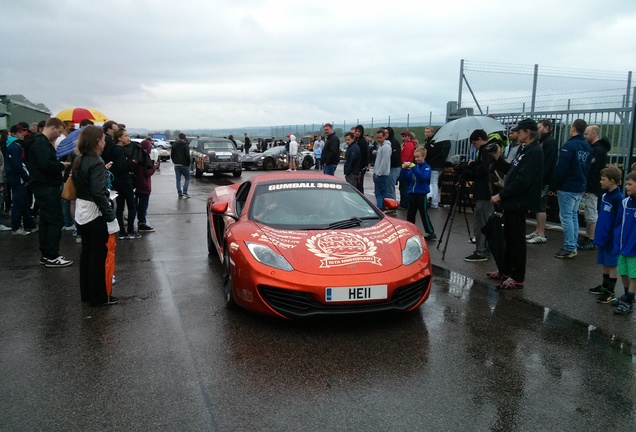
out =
column 109, row 128
column 331, row 153
column 180, row 155
column 550, row 154
column 521, row 192
column 589, row 202
column 46, row 182
column 396, row 161
column 478, row 171
column 364, row 155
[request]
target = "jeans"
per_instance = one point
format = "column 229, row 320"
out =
column 66, row 213
column 434, row 193
column 142, row 207
column 49, row 200
column 569, row 203
column 393, row 178
column 329, row 169
column 126, row 195
column 380, row 189
column 317, row 162
column 182, row 170
column 20, row 211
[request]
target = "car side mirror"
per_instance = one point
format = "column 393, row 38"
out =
column 220, row 208
column 390, row 204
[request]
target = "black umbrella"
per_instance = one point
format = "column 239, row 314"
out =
column 494, row 232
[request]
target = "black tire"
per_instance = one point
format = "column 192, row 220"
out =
column 237, row 173
column 307, row 163
column 230, row 303
column 269, row 164
column 211, row 248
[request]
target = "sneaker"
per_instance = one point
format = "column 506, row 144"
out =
column 78, row 239
column 586, row 244
column 564, row 253
column 606, row 297
column 496, row 275
column 475, row 257
column 185, row 196
column 289, row 170
column 531, row 235
column 34, row 229
column 20, row 232
column 111, row 301
column 145, row 228
column 537, row 239
column 616, row 301
column 472, row 240
column 58, row 262
column 432, row 236
column 68, row 228
column 597, row 290
column 624, row 307
column 43, row 260
column 134, row 235
column 180, row 196
column 121, row 236
column 510, row 284
column 75, row 233
column 4, row 228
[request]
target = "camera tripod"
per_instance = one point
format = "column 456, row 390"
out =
column 461, row 199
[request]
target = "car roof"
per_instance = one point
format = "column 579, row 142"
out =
column 294, row 177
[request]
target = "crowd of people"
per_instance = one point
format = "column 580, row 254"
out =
column 101, row 160
column 510, row 175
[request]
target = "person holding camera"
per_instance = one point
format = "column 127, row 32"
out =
column 479, row 171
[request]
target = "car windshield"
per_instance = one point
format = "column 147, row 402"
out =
column 274, row 150
column 311, row 205
column 218, row 145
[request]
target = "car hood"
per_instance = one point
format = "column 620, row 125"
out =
column 366, row 250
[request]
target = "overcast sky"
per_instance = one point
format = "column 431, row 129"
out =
column 215, row 63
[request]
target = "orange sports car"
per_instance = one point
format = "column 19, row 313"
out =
column 301, row 244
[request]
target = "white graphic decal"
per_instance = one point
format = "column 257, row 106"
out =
column 341, row 248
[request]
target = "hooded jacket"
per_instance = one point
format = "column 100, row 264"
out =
column 331, row 151
column 396, row 149
column 293, row 145
column 573, row 165
column 436, row 153
column 610, row 206
column 14, row 164
column 91, row 183
column 599, row 161
column 364, row 148
column 419, row 177
column 550, row 154
column 180, row 153
column 625, row 230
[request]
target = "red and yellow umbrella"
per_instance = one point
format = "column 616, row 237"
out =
column 76, row 115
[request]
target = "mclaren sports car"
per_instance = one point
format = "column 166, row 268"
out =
column 296, row 245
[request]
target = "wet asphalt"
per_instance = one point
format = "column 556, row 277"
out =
column 170, row 357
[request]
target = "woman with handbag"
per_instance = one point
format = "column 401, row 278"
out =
column 94, row 215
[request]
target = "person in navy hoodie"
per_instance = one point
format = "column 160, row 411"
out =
column 604, row 233
column 625, row 245
column 418, row 175
column 572, row 168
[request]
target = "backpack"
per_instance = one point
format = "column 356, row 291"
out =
column 134, row 152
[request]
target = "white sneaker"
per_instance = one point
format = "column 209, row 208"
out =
column 21, row 232
column 68, row 228
column 58, row 262
column 537, row 240
column 531, row 235
column 4, row 228
column 289, row 170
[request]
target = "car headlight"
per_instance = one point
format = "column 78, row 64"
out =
column 265, row 255
column 413, row 250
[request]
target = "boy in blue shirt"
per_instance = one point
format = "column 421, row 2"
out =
column 625, row 244
column 419, row 176
column 604, row 233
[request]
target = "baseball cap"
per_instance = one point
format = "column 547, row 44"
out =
column 17, row 129
column 528, row 124
column 406, row 133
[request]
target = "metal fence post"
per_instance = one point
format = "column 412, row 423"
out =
column 534, row 88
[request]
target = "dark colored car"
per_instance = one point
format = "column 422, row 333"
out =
column 214, row 155
column 277, row 158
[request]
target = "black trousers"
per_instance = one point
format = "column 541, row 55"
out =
column 93, row 261
column 126, row 194
column 515, row 235
column 49, row 200
column 417, row 203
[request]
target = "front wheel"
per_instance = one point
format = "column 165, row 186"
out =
column 194, row 170
column 269, row 164
column 237, row 173
column 211, row 247
column 230, row 303
column 307, row 163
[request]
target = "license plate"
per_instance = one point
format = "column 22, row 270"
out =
column 356, row 293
